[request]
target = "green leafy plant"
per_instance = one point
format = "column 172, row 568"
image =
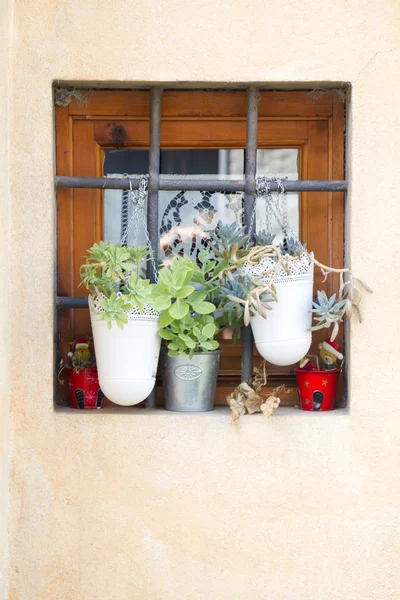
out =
column 186, row 294
column 109, row 266
column 192, row 333
column 181, row 290
column 139, row 291
column 115, row 310
column 117, row 274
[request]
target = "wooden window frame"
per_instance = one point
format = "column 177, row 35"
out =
column 120, row 118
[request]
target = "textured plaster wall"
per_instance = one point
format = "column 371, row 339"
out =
column 164, row 506
column 5, row 429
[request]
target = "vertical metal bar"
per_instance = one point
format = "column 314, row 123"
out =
column 249, row 200
column 152, row 200
column 154, row 172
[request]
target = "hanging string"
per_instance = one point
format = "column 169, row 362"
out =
column 138, row 199
column 124, row 213
column 274, row 207
column 252, row 223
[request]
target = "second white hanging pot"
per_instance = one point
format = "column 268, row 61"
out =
column 284, row 337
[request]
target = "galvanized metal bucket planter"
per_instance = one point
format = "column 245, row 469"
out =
column 189, row 383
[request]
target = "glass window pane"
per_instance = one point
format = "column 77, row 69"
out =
column 185, row 218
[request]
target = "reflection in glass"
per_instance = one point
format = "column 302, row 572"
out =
column 186, row 218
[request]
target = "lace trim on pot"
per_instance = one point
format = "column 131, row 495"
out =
column 134, row 314
column 299, row 269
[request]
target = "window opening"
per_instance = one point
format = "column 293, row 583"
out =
column 214, row 188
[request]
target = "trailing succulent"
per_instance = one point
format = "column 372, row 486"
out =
column 236, row 302
column 228, row 245
column 242, row 295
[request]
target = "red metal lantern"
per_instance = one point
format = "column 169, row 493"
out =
column 84, row 389
column 317, row 389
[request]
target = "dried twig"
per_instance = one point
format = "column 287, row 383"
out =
column 246, row 397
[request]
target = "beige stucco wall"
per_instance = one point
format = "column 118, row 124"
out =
column 167, row 506
column 5, row 429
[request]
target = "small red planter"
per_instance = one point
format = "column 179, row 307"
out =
column 317, row 389
column 84, row 389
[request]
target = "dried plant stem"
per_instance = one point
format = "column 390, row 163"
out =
column 330, row 269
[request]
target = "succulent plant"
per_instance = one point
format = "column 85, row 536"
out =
column 328, row 311
column 233, row 295
column 176, row 294
column 237, row 302
column 118, row 275
column 292, row 246
column 139, row 291
column 264, row 238
column 108, row 266
column 115, row 310
column 228, row 242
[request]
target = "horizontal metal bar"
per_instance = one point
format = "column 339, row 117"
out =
column 71, row 302
column 202, row 185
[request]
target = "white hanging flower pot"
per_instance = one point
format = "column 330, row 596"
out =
column 126, row 358
column 284, row 337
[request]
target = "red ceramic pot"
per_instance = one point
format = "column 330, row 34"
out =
column 84, row 389
column 317, row 389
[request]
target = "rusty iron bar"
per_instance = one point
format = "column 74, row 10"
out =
column 249, row 200
column 156, row 94
column 64, row 302
column 250, row 155
column 154, row 174
column 198, row 185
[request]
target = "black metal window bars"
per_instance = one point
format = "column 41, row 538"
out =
column 155, row 183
